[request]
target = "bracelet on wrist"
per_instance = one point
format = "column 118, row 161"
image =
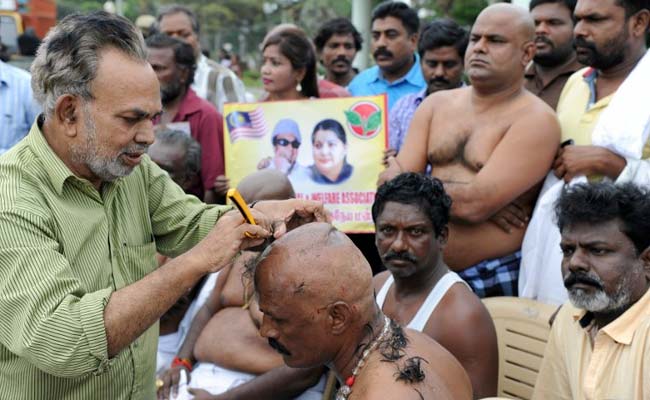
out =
column 182, row 362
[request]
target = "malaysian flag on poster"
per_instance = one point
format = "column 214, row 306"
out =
column 246, row 124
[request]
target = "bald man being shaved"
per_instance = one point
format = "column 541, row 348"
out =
column 315, row 292
column 491, row 144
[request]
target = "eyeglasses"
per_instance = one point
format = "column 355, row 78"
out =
column 284, row 142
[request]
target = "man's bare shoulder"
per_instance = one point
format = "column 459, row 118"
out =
column 446, row 98
column 460, row 306
column 461, row 321
column 379, row 280
column 424, row 370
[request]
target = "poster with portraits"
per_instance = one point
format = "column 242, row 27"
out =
column 330, row 149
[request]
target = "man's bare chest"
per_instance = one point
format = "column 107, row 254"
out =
column 469, row 142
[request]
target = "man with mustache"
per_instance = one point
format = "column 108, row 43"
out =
column 315, row 292
column 83, row 211
column 555, row 59
column 611, row 50
column 598, row 347
column 337, row 43
column 394, row 38
column 610, row 38
column 411, row 213
column 491, row 144
column 174, row 64
column 441, row 49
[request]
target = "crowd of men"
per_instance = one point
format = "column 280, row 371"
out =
column 516, row 165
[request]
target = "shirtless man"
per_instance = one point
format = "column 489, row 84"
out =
column 315, row 291
column 491, row 144
column 223, row 337
column 411, row 213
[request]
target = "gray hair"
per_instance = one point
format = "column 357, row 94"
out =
column 177, row 8
column 192, row 148
column 68, row 58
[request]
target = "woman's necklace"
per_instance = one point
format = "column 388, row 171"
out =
column 345, row 390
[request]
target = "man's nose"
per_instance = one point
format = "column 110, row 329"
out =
column 380, row 41
column 399, row 244
column 541, row 29
column 578, row 261
column 579, row 30
column 439, row 71
column 146, row 133
column 480, row 46
column 266, row 330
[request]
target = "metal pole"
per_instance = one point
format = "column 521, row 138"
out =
column 361, row 20
column 119, row 7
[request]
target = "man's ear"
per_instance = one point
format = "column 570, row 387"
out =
column 640, row 23
column 414, row 39
column 645, row 259
column 444, row 235
column 529, row 53
column 340, row 315
column 67, row 113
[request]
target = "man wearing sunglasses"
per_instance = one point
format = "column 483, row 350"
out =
column 286, row 141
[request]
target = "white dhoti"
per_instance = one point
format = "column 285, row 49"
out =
column 217, row 380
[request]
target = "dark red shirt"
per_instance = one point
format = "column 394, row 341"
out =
column 206, row 126
column 327, row 89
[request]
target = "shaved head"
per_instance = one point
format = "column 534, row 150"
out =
column 315, row 291
column 511, row 15
column 502, row 43
column 320, row 262
column 266, row 184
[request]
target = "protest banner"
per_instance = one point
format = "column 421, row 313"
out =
column 330, row 149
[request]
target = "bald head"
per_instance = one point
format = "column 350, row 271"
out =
column 510, row 15
column 501, row 45
column 318, row 262
column 266, row 184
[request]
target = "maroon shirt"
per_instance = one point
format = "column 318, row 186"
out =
column 206, row 125
column 550, row 92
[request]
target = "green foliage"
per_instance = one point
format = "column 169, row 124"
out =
column 466, row 11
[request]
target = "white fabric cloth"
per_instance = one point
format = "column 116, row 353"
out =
column 217, row 380
column 430, row 303
column 200, row 84
column 168, row 345
column 623, row 128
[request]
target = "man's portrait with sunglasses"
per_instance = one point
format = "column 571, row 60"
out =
column 286, row 141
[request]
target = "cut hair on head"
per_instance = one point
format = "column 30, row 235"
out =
column 337, row 26
column 67, row 60
column 570, row 4
column 183, row 52
column 192, row 148
column 633, row 6
column 443, row 33
column 597, row 203
column 399, row 10
column 179, row 9
column 420, row 190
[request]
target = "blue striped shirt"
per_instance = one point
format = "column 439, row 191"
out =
column 18, row 110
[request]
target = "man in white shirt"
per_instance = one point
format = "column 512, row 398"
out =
column 212, row 81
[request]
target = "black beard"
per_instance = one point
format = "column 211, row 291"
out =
column 603, row 59
column 558, row 56
column 170, row 92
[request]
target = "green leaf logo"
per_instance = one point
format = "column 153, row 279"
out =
column 354, row 118
column 374, row 121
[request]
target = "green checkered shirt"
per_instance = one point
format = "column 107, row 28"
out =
column 64, row 248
